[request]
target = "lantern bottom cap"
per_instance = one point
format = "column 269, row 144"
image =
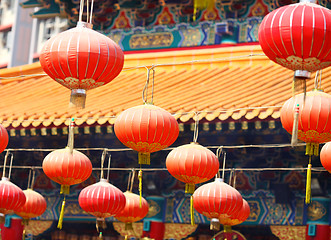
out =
column 77, row 98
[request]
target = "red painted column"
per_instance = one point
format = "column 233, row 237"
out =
column 154, row 226
column 15, row 229
column 156, row 231
column 322, row 233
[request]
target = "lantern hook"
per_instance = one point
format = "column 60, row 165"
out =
column 318, row 83
column 10, row 165
column 196, row 127
column 145, row 90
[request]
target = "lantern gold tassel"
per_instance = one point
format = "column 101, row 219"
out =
column 140, row 177
column 100, row 236
column 294, row 139
column 144, row 158
column 23, row 234
column 192, row 211
column 308, row 184
column 65, row 189
column 59, row 225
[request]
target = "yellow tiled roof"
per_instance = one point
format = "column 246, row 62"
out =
column 215, row 81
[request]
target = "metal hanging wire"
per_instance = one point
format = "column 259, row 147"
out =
column 145, row 90
column 196, row 127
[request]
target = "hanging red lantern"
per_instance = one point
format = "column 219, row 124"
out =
column 146, row 129
column 35, row 205
column 67, row 167
column 238, row 217
column 12, row 197
column 3, row 138
column 326, row 156
column 312, row 120
column 298, row 36
column 102, row 200
column 81, row 59
column 314, row 126
column 217, row 200
column 192, row 164
column 135, row 209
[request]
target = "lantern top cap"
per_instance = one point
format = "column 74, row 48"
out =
column 103, row 180
column 219, row 180
column 4, row 179
column 84, row 24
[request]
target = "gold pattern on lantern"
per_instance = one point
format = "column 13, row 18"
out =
column 74, row 83
column 145, row 147
column 297, row 63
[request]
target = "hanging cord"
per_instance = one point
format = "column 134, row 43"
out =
column 33, row 178
column 129, row 181
column 145, row 90
column 81, row 9
column 92, row 4
column 87, row 11
column 29, row 178
column 316, row 82
column 320, row 82
column 71, row 136
column 104, row 153
column 11, row 164
column 196, row 127
column 132, row 179
column 4, row 164
column 224, row 160
column 218, row 154
column 108, row 170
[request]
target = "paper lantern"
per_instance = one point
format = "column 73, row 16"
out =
column 238, row 217
column 102, row 199
column 35, row 205
column 3, row 138
column 12, row 197
column 314, row 126
column 313, row 121
column 192, row 164
column 326, row 156
column 81, row 59
column 217, row 200
column 297, row 36
column 146, row 129
column 135, row 208
column 67, row 168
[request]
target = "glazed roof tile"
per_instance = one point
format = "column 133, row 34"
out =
column 222, row 83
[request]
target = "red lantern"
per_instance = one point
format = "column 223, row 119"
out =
column 67, row 168
column 146, row 129
column 326, row 156
column 12, row 197
column 81, row 59
column 192, row 164
column 133, row 210
column 217, row 200
column 102, row 199
column 35, row 205
column 298, row 36
column 238, row 217
column 3, row 138
column 314, row 126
